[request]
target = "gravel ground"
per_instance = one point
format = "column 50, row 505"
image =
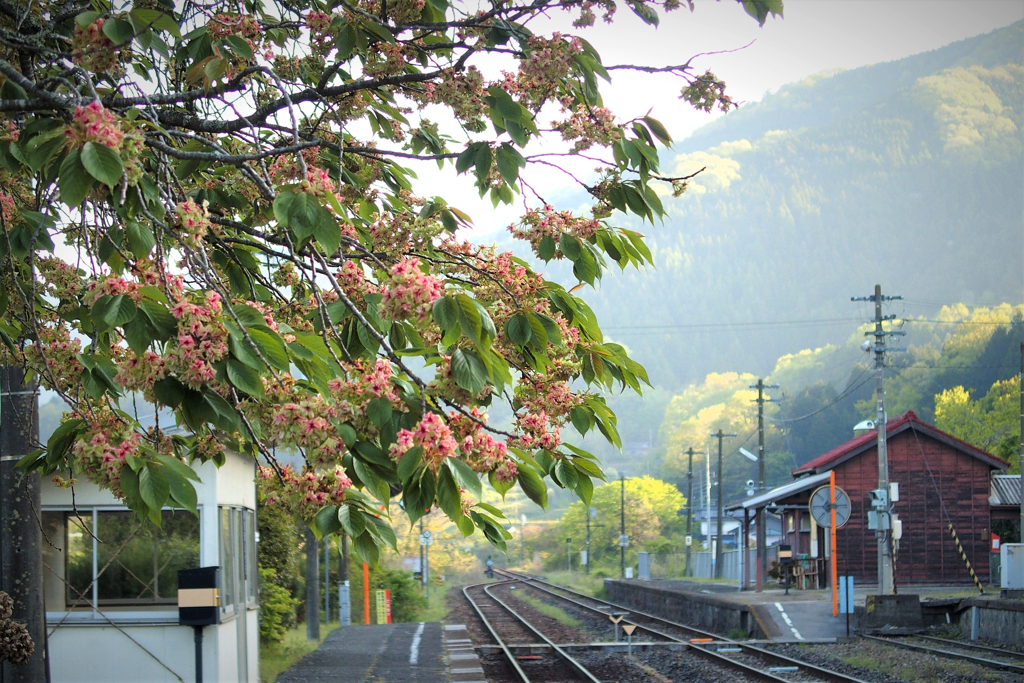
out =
column 878, row 663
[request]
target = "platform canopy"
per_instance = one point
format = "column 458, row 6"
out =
column 780, row 492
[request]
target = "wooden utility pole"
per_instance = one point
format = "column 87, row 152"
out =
column 721, row 507
column 312, row 586
column 1021, row 539
column 761, row 517
column 622, row 524
column 689, row 510
column 21, row 560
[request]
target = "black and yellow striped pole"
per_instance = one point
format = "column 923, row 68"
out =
column 963, row 556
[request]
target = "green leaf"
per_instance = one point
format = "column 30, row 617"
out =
column 517, row 329
column 118, row 30
column 655, row 126
column 465, row 475
column 326, row 521
column 178, row 466
column 73, row 180
column 546, row 248
column 102, row 163
column 585, row 489
column 327, row 233
column 502, row 487
column 153, row 486
column 366, row 547
column 446, row 313
column 182, row 491
column 409, row 462
column 642, row 10
column 448, row 496
column 570, row 246
column 469, row 371
column 240, row 46
column 581, row 419
column 351, row 520
column 140, row 239
column 509, row 161
column 272, row 347
column 379, row 411
column 533, row 486
column 565, row 473
column 245, row 378
column 106, row 310
column 62, row 439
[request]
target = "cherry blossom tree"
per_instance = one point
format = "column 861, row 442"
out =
column 210, row 209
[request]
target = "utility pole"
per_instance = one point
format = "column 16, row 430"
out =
column 885, row 569
column 587, row 568
column 21, row 560
column 312, row 586
column 1021, row 539
column 761, row 519
column 721, row 507
column 689, row 510
column 622, row 523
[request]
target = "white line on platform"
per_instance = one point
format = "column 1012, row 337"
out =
column 414, row 649
column 789, row 622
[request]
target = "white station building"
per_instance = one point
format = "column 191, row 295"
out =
column 130, row 633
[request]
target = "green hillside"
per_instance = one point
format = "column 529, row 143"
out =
column 907, row 173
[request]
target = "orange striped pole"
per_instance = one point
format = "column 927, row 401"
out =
column 366, row 594
column 832, row 541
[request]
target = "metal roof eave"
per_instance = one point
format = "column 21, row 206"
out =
column 778, row 492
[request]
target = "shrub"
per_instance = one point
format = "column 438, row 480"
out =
column 277, row 608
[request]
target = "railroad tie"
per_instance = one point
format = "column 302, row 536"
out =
column 963, row 556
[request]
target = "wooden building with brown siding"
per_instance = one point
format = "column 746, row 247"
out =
column 942, row 480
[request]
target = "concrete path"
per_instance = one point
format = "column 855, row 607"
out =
column 400, row 653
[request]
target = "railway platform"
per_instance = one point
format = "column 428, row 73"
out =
column 411, row 653
column 801, row 616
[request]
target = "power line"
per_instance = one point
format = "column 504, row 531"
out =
column 846, row 392
column 623, row 330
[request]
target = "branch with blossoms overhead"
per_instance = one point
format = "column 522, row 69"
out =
column 211, row 209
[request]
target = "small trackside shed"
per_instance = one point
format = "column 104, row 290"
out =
column 942, row 481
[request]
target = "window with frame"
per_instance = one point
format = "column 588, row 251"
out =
column 238, row 573
column 132, row 562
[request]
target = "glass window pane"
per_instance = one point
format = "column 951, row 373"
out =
column 236, row 550
column 249, row 539
column 129, row 575
column 178, row 549
column 227, row 564
column 79, row 557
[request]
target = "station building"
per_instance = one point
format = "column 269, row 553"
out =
column 943, row 481
column 110, row 584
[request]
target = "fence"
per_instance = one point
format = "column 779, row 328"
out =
column 673, row 565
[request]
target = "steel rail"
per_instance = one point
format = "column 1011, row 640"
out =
column 559, row 651
column 494, row 634
column 972, row 646
column 752, row 650
column 980, row 661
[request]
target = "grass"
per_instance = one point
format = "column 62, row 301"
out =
column 277, row 658
column 584, row 583
column 437, row 603
column 556, row 613
column 862, row 661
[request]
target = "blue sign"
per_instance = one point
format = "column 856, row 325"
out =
column 846, row 595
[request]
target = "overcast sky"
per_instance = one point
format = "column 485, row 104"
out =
column 814, row 36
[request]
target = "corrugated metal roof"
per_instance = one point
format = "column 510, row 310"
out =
column 1005, row 489
column 780, row 492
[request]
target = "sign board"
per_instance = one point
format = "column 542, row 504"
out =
column 629, row 572
column 381, row 604
column 846, row 595
column 426, row 538
column 689, row 541
column 996, row 540
column 821, row 506
column 785, row 553
column 583, row 557
column 629, row 628
column 593, row 512
column 623, row 540
column 616, row 618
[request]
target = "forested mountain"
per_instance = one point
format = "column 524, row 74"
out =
column 907, row 173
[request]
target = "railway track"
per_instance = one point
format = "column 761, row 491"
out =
column 508, row 627
column 755, row 662
column 988, row 657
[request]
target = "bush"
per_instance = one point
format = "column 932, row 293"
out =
column 407, row 602
column 277, row 608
